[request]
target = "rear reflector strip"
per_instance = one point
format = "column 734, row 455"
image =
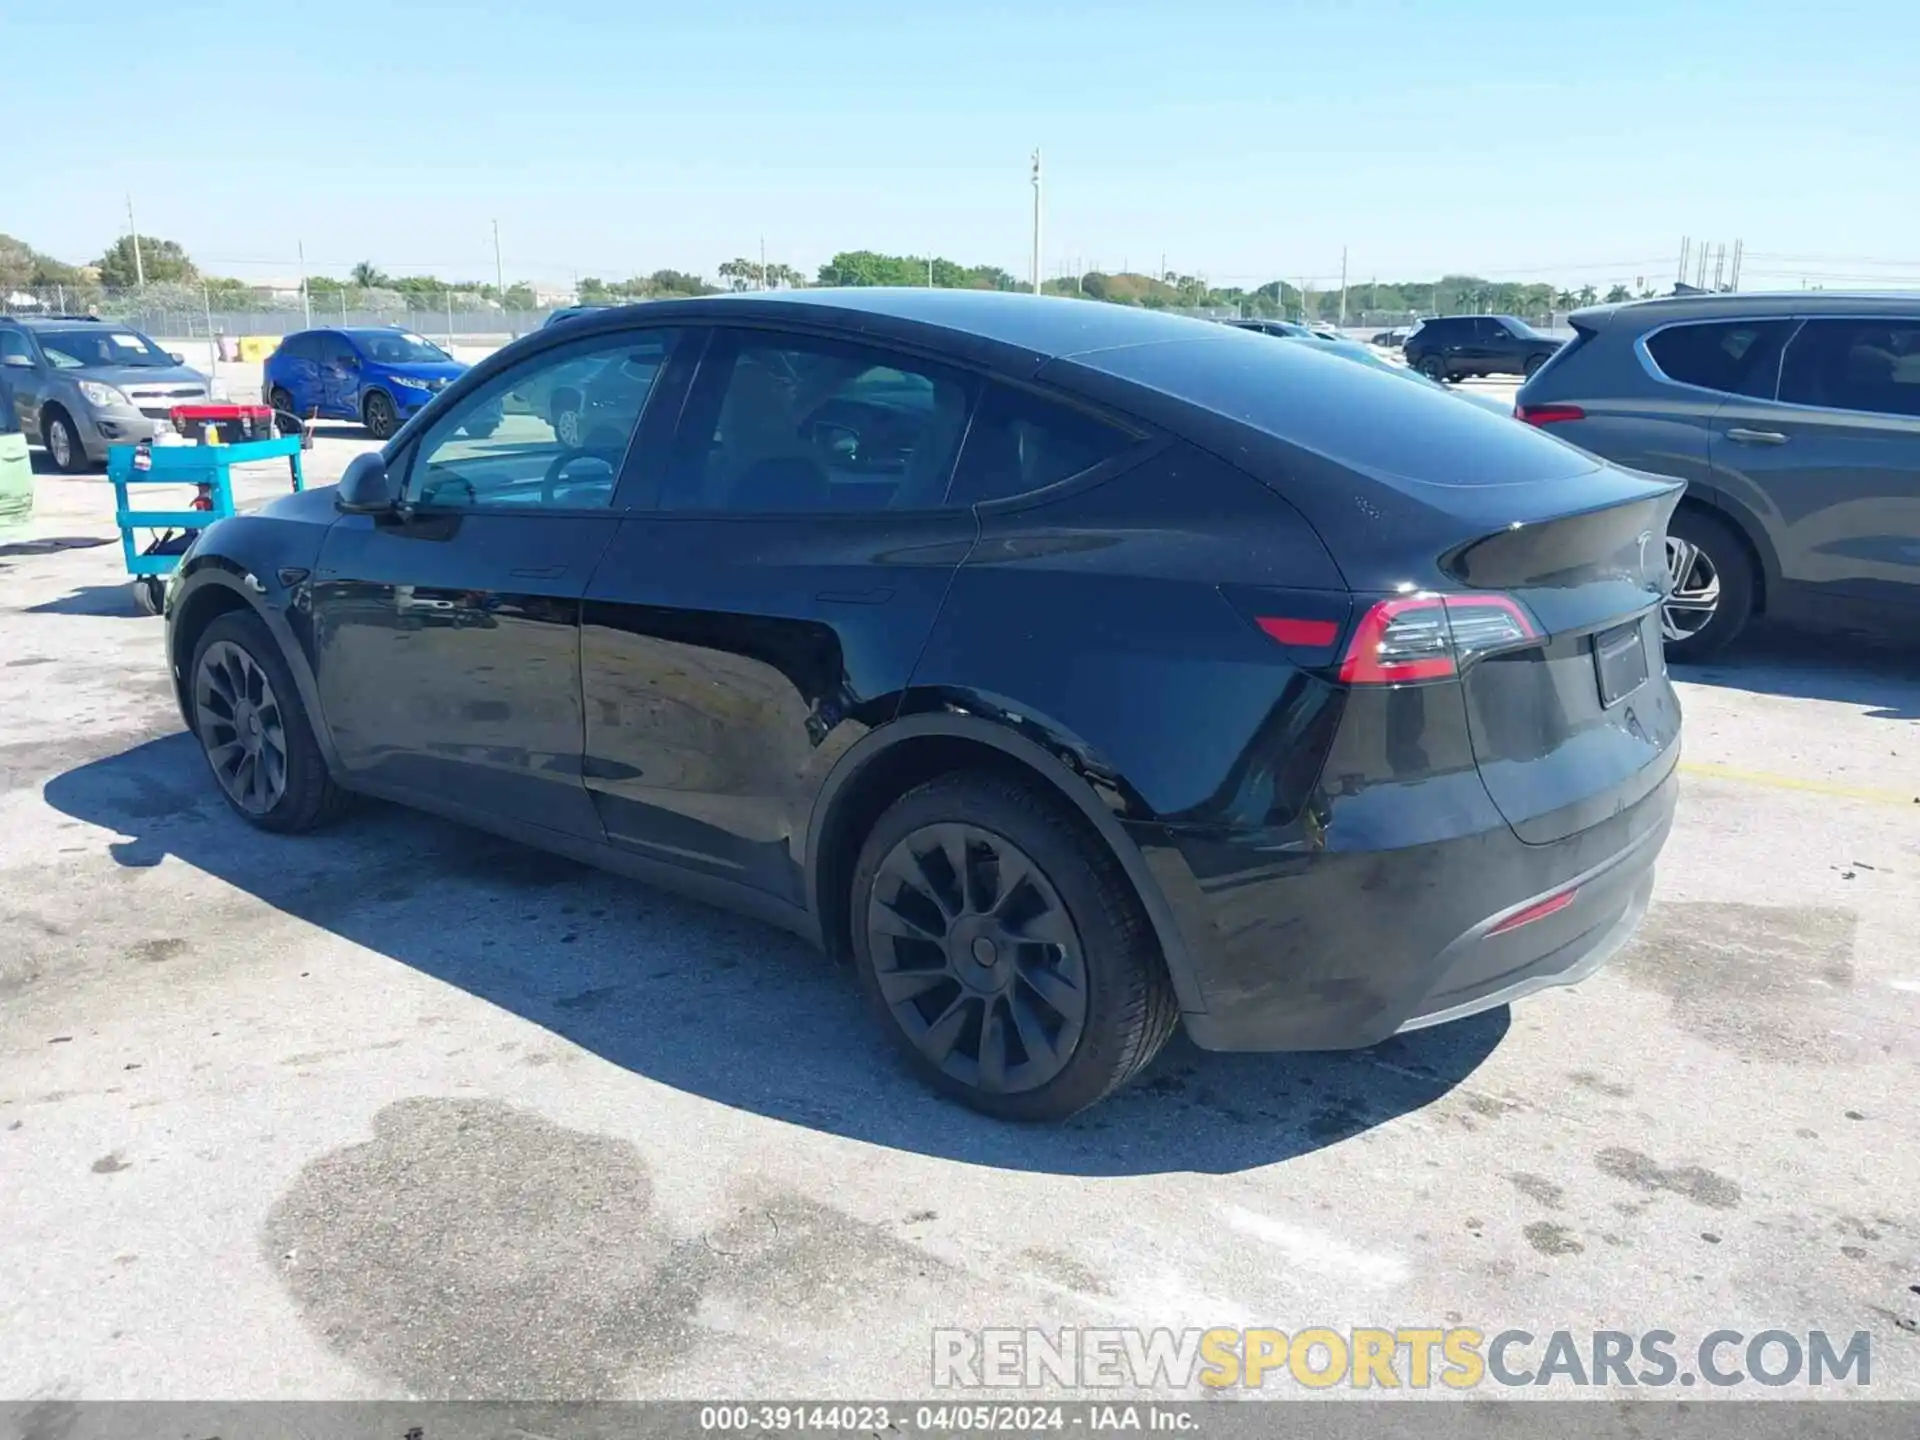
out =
column 1548, row 414
column 1552, row 905
column 1313, row 634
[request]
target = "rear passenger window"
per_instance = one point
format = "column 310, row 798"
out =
column 1871, row 365
column 1021, row 442
column 1740, row 357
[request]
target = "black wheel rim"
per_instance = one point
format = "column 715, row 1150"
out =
column 379, row 417
column 241, row 727
column 976, row 958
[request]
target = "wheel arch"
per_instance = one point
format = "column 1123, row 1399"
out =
column 1746, row 528
column 904, row 753
column 215, row 588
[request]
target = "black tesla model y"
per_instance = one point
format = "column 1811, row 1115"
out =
column 1076, row 672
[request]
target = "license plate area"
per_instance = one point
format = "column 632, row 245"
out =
column 1619, row 662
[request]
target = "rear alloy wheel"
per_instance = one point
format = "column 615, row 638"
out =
column 285, row 421
column 1534, row 362
column 253, row 730
column 1005, row 951
column 1434, row 368
column 380, row 416
column 63, row 443
column 1709, row 587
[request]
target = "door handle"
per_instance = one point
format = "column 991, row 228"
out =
column 551, row 572
column 1756, row 437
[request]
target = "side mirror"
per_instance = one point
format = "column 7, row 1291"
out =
column 17, row 362
column 176, row 357
column 365, row 488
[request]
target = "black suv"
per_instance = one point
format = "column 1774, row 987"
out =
column 1452, row 347
column 1074, row 671
column 1795, row 421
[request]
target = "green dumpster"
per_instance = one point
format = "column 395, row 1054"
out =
column 16, row 471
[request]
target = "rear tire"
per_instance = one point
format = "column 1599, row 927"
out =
column 282, row 402
column 1711, row 575
column 238, row 676
column 1434, row 368
column 1532, row 368
column 1032, row 1019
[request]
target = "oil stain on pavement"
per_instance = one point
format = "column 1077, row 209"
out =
column 1743, row 978
column 475, row 1250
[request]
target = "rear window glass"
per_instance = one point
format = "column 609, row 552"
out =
column 1353, row 414
column 1740, row 357
column 1020, row 442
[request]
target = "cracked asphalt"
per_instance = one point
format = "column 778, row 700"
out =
column 403, row 1111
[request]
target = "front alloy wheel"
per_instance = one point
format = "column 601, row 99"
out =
column 381, row 418
column 241, row 727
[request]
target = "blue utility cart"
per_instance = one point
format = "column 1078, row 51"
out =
column 207, row 467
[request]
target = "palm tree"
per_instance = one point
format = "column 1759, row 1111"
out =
column 367, row 276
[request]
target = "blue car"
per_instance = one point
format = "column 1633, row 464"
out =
column 378, row 377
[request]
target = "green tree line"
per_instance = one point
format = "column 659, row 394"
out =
column 165, row 263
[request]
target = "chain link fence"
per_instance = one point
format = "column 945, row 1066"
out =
column 196, row 312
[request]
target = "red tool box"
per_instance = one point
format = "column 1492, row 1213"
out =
column 235, row 424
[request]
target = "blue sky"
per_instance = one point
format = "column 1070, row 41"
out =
column 1573, row 142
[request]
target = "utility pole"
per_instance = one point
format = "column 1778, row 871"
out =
column 763, row 264
column 139, row 269
column 1686, row 245
column 499, row 271
column 1036, row 222
column 306, row 300
column 1343, row 287
column 1719, row 264
column 1733, row 280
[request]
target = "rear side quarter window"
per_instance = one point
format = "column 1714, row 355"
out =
column 1870, row 365
column 1735, row 357
column 1020, row 442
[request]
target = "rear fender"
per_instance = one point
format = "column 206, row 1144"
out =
column 1056, row 759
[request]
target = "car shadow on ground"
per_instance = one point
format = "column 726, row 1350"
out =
column 1881, row 674
column 113, row 601
column 723, row 1007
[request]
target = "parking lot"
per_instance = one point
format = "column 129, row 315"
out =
column 402, row 1110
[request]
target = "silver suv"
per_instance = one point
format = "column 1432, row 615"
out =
column 81, row 384
column 1795, row 421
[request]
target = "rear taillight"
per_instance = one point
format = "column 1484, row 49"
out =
column 1430, row 637
column 1548, row 414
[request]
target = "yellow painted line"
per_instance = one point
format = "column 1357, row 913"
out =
column 1707, row 770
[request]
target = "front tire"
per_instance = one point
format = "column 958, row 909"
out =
column 255, row 733
column 1004, row 951
column 63, row 443
column 378, row 415
column 282, row 402
column 1710, row 587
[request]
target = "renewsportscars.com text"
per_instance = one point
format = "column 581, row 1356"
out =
column 1417, row 1358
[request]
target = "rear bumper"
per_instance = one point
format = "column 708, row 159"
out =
column 1333, row 951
